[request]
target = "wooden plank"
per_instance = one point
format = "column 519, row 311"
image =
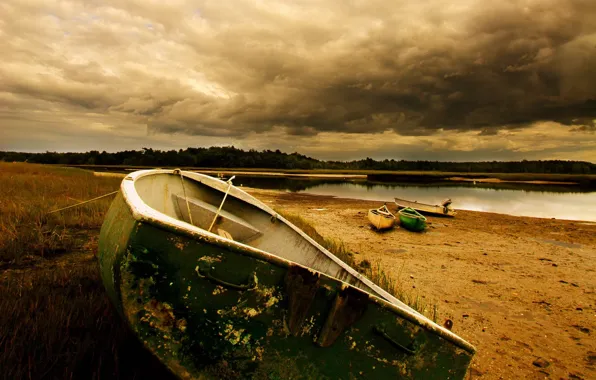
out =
column 301, row 286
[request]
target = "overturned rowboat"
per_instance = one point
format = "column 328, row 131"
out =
column 218, row 285
column 381, row 218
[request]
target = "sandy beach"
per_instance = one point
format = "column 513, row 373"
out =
column 522, row 290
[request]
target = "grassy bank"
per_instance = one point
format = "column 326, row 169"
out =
column 28, row 192
column 56, row 320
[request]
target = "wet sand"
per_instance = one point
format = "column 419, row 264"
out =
column 521, row 289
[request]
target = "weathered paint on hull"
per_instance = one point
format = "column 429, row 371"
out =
column 212, row 312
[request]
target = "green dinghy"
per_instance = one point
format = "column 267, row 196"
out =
column 256, row 298
column 411, row 219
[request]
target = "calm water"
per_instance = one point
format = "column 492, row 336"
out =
column 546, row 201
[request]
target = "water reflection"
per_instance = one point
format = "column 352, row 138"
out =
column 545, row 201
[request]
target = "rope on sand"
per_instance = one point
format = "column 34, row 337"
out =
column 82, row 203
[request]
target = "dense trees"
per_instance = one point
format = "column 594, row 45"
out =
column 231, row 157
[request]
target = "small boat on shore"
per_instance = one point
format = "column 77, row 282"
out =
column 436, row 210
column 218, row 285
column 381, row 218
column 411, row 219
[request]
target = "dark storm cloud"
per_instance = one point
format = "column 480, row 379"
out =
column 489, row 65
column 231, row 69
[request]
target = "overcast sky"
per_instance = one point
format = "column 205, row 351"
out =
column 426, row 79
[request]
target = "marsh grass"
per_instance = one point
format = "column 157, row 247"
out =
column 56, row 321
column 374, row 272
column 28, row 192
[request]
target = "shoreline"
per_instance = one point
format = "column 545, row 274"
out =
column 268, row 192
column 580, row 180
column 497, row 180
column 405, row 178
column 248, row 189
column 283, row 174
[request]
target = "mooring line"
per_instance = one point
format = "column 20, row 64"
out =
column 82, row 203
column 229, row 181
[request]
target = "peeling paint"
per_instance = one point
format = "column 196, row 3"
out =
column 308, row 326
column 272, row 301
column 218, row 290
column 210, row 259
column 235, row 336
column 178, row 242
column 250, row 312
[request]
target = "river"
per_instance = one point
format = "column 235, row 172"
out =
column 544, row 201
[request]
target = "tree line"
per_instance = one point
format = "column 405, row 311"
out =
column 231, row 157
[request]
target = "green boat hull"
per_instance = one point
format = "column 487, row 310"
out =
column 213, row 312
column 412, row 220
